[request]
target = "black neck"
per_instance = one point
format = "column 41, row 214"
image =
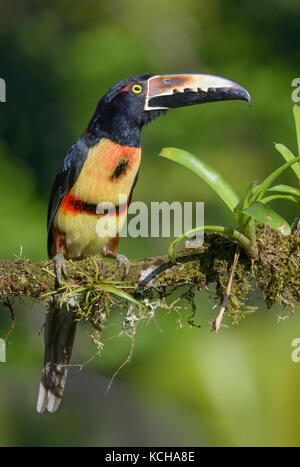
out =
column 119, row 127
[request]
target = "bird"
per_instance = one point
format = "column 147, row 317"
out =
column 103, row 163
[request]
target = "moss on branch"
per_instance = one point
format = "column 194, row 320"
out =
column 276, row 272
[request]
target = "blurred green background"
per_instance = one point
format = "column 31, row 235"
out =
column 184, row 386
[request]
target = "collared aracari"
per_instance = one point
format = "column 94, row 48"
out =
column 103, row 163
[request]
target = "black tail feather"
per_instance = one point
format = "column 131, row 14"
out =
column 59, row 336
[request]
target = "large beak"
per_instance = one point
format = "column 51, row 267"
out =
column 178, row 90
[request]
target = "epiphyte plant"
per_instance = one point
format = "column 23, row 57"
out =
column 254, row 206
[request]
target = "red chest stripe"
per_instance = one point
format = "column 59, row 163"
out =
column 76, row 206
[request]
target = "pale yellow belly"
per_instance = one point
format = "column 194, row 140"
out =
column 87, row 234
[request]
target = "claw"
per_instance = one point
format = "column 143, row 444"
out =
column 60, row 268
column 122, row 260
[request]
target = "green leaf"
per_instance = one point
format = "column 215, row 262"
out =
column 288, row 156
column 206, row 172
column 290, row 190
column 47, row 294
column 49, row 272
column 247, row 225
column 250, row 193
column 293, row 199
column 119, row 292
column 269, row 217
column 80, row 289
column 270, row 179
column 231, row 233
column 296, row 111
column 122, row 283
column 87, row 297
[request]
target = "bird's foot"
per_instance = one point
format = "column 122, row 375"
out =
column 122, row 260
column 60, row 268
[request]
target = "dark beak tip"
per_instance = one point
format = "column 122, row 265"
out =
column 247, row 97
column 244, row 95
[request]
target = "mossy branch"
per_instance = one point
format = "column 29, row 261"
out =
column 276, row 272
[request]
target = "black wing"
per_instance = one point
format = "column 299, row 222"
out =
column 133, row 185
column 65, row 180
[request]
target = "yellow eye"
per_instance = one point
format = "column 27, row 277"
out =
column 137, row 88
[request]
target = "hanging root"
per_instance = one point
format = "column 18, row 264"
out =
column 228, row 290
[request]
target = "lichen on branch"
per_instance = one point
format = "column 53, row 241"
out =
column 276, row 272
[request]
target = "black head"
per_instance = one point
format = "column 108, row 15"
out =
column 135, row 101
column 120, row 114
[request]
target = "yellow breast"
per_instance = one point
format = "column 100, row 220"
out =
column 109, row 170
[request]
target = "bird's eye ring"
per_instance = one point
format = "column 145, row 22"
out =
column 137, row 88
